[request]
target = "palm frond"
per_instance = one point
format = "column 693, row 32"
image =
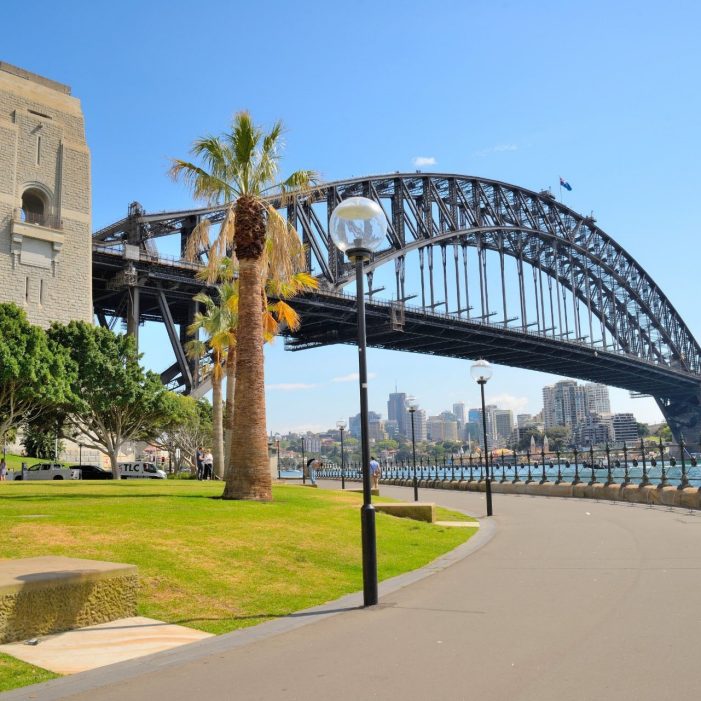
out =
column 197, row 241
column 204, row 186
column 285, row 314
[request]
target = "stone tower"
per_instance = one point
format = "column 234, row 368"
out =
column 45, row 231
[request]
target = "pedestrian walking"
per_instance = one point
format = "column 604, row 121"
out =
column 199, row 457
column 312, row 466
column 3, row 470
column 375, row 472
column 208, row 462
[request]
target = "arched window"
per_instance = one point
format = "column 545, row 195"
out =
column 34, row 206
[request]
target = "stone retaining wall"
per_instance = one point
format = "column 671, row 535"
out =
column 43, row 595
column 688, row 498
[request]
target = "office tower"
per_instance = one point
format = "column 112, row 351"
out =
column 564, row 404
column 397, row 411
column 598, row 401
column 625, row 428
column 459, row 412
column 503, row 425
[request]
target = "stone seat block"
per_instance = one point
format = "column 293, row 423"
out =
column 419, row 511
column 42, row 595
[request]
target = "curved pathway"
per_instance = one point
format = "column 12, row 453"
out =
column 566, row 600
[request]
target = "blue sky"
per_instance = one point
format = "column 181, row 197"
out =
column 604, row 94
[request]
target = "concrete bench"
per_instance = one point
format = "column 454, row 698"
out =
column 419, row 511
column 41, row 595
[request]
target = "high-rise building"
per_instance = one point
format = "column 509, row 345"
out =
column 376, row 427
column 420, row 425
column 354, row 423
column 443, row 427
column 593, row 429
column 523, row 421
column 625, row 428
column 474, row 416
column 459, row 412
column 397, row 411
column 564, row 404
column 503, row 425
column 598, row 401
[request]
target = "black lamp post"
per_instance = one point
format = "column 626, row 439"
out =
column 412, row 410
column 358, row 226
column 481, row 371
column 341, row 426
column 80, row 453
column 277, row 449
column 304, row 465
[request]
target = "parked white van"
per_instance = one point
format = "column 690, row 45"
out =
column 140, row 470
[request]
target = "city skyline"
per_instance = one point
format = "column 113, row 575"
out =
column 594, row 401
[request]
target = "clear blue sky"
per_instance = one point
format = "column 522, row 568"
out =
column 604, row 94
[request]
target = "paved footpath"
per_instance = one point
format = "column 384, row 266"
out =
column 563, row 599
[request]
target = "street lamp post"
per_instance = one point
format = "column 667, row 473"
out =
column 412, row 410
column 358, row 226
column 304, row 465
column 341, row 426
column 277, row 448
column 481, row 371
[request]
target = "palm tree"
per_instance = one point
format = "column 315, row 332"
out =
column 240, row 168
column 217, row 324
column 276, row 315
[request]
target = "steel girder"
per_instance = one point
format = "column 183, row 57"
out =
column 456, row 213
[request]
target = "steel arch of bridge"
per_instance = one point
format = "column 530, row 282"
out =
column 453, row 214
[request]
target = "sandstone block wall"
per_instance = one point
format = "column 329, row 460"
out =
column 46, row 266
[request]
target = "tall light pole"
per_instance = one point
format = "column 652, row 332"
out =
column 277, row 447
column 358, row 226
column 304, row 464
column 412, row 410
column 341, row 426
column 481, row 371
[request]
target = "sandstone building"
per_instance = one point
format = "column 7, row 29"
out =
column 45, row 227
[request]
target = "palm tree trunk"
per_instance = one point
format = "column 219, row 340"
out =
column 229, row 413
column 217, row 426
column 248, row 471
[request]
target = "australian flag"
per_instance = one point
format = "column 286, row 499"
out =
column 565, row 184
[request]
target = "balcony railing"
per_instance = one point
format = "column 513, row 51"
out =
column 48, row 221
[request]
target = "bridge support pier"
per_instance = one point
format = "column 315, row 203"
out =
column 683, row 415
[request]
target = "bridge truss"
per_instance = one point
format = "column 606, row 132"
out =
column 471, row 267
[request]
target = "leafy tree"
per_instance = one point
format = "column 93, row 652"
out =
column 40, row 442
column 115, row 399
column 35, row 373
column 525, row 435
column 241, row 168
column 665, row 433
column 188, row 426
column 643, row 429
column 558, row 437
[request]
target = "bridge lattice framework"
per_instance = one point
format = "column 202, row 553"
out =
column 576, row 304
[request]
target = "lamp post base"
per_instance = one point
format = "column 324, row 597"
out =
column 367, row 522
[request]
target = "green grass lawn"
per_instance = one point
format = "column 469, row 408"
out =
column 211, row 564
column 14, row 674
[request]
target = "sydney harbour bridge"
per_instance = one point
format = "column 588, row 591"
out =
column 471, row 268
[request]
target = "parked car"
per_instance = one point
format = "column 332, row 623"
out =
column 140, row 470
column 93, row 472
column 47, row 471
